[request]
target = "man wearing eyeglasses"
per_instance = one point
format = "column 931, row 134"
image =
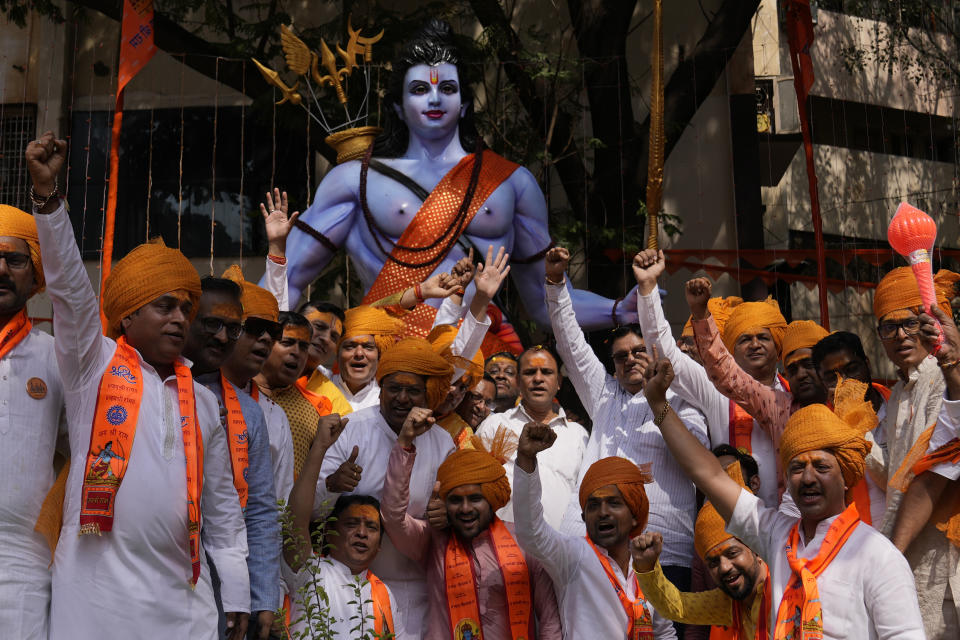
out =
column 31, row 421
column 210, row 339
column 912, row 414
column 623, row 423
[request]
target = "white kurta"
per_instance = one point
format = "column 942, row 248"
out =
column 281, row 445
column 559, row 466
column 368, row 431
column 589, row 606
column 866, row 592
column 29, row 431
column 367, row 396
column 133, row 582
column 340, row 586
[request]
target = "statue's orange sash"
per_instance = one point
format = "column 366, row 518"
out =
column 14, row 331
column 115, row 423
column 237, row 435
column 462, row 599
column 435, row 217
column 800, row 615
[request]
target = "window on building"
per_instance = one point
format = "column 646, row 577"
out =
column 18, row 126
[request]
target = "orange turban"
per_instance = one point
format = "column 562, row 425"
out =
column 442, row 337
column 475, row 466
column 628, row 477
column 720, row 309
column 840, row 431
column 899, row 290
column 801, row 334
column 416, row 355
column 366, row 320
column 710, row 529
column 143, row 275
column 15, row 223
column 255, row 300
column 750, row 317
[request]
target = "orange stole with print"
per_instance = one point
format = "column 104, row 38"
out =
column 741, row 423
column 382, row 614
column 462, row 599
column 437, row 219
column 639, row 620
column 14, row 331
column 237, row 435
column 800, row 616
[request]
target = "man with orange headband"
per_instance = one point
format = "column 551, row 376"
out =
column 278, row 380
column 135, row 518
column 477, row 576
column 831, row 576
column 753, row 334
column 596, row 587
column 623, row 422
column 210, row 339
column 738, row 609
column 912, row 415
column 325, row 582
column 413, row 380
column 33, row 420
column 261, row 330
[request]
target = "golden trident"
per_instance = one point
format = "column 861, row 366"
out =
column 655, row 164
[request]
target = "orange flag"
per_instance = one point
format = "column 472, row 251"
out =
column 136, row 49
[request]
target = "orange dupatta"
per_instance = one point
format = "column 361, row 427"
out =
column 435, row 228
column 237, row 437
column 382, row 615
column 14, row 332
column 800, row 616
column 741, row 423
column 321, row 403
column 115, row 421
column 639, row 620
column 947, row 513
column 462, row 598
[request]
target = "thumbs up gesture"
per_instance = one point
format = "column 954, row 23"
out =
column 347, row 476
column 437, row 509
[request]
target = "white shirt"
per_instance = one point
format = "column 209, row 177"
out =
column 693, row 385
column 281, row 445
column 559, row 466
column 339, row 585
column 30, row 430
column 133, row 582
column 369, row 432
column 275, row 281
column 623, row 426
column 589, row 606
column 867, row 590
column 367, row 396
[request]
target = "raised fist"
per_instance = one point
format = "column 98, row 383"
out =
column 645, row 550
column 417, row 422
column 556, row 262
column 647, row 267
column 698, row 294
column 45, row 157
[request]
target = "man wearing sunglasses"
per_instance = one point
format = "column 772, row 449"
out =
column 210, row 339
column 912, row 412
column 31, row 420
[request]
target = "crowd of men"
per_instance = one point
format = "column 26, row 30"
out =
column 201, row 462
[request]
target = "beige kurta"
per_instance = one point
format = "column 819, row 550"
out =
column 913, row 406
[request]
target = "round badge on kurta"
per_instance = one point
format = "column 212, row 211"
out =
column 37, row 388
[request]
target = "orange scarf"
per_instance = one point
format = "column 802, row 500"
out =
column 321, row 403
column 741, row 423
column 237, row 435
column 800, row 606
column 462, row 599
column 735, row 631
column 14, row 331
column 381, row 606
column 947, row 513
column 639, row 620
column 111, row 441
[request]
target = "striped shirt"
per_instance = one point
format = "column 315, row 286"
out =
column 623, row 426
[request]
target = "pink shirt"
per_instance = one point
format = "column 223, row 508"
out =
column 420, row 542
